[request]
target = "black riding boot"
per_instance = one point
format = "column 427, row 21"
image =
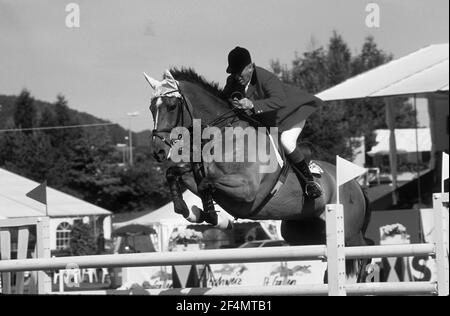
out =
column 312, row 188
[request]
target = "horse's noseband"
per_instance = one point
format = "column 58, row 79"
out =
column 179, row 121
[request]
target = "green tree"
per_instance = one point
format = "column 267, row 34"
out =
column 338, row 60
column 332, row 127
column 365, row 116
column 83, row 241
column 25, row 112
column 82, row 161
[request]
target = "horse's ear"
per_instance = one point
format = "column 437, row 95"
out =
column 153, row 82
column 168, row 75
column 170, row 80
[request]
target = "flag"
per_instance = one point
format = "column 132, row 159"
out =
column 444, row 166
column 347, row 171
column 39, row 193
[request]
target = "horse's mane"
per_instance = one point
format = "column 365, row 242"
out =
column 189, row 74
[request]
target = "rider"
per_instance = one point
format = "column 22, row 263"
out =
column 274, row 104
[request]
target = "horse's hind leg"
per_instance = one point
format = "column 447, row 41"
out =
column 311, row 231
column 364, row 263
column 356, row 267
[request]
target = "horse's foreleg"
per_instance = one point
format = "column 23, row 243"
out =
column 195, row 214
column 173, row 175
column 217, row 219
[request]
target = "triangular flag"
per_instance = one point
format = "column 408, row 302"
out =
column 39, row 193
column 444, row 166
column 347, row 170
column 181, row 275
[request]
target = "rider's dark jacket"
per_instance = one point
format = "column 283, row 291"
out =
column 275, row 103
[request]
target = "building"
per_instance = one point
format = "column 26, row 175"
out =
column 63, row 209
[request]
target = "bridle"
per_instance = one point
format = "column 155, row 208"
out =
column 179, row 121
column 185, row 104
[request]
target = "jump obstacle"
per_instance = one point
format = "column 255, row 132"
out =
column 334, row 253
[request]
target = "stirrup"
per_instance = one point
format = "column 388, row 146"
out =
column 313, row 190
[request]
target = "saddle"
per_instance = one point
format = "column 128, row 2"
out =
column 315, row 169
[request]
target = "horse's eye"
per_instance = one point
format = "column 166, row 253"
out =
column 172, row 106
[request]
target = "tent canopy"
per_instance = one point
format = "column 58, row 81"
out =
column 165, row 214
column 14, row 203
column 423, row 71
column 134, row 230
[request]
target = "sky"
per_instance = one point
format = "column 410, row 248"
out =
column 98, row 66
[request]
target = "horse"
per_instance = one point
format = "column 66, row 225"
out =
column 244, row 188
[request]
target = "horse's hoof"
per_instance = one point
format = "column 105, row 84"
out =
column 181, row 208
column 195, row 215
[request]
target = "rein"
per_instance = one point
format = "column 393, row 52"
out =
column 180, row 119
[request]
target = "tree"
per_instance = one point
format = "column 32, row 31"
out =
column 370, row 57
column 82, row 161
column 83, row 241
column 25, row 112
column 338, row 60
column 333, row 126
column 365, row 116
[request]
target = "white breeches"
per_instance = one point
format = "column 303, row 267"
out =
column 289, row 137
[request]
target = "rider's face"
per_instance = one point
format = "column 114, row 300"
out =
column 245, row 76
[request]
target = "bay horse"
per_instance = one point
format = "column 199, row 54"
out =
column 244, row 188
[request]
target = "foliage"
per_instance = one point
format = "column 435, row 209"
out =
column 25, row 112
column 333, row 125
column 80, row 161
column 185, row 236
column 83, row 240
column 392, row 230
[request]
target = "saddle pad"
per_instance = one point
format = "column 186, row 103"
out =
column 315, row 168
column 277, row 153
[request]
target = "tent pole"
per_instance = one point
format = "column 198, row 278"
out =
column 417, row 151
column 390, row 121
column 419, row 192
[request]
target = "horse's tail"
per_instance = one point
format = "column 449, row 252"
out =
column 354, row 266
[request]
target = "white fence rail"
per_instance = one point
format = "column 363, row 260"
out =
column 335, row 253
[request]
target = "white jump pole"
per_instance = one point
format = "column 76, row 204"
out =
column 335, row 249
column 440, row 231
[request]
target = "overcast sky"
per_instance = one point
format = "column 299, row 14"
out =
column 98, row 67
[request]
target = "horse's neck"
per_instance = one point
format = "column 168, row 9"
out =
column 205, row 106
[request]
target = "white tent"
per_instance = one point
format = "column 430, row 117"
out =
column 62, row 207
column 165, row 220
column 167, row 215
column 14, row 203
column 423, row 71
